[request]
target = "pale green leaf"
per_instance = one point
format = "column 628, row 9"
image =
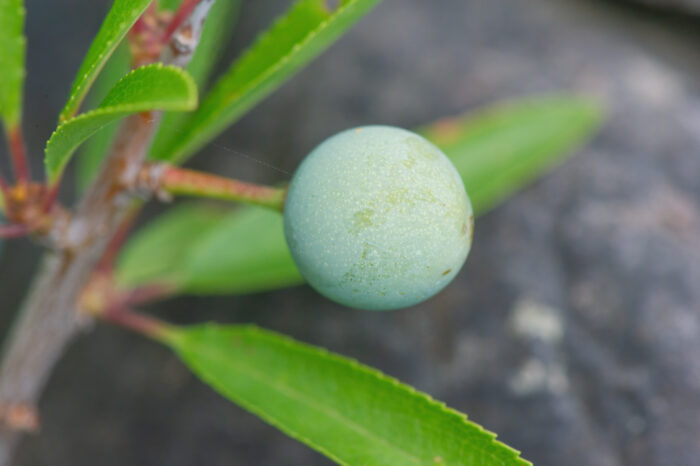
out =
column 217, row 31
column 349, row 412
column 502, row 149
column 307, row 29
column 94, row 150
column 210, row 252
column 244, row 253
column 116, row 25
column 12, row 55
column 151, row 87
column 157, row 254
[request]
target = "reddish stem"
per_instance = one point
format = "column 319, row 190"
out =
column 182, row 13
column 51, row 196
column 177, row 180
column 140, row 323
column 115, row 244
column 147, row 294
column 141, row 24
column 4, row 187
column 18, row 152
column 13, row 231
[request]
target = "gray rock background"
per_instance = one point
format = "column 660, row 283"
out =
column 573, row 330
column 685, row 6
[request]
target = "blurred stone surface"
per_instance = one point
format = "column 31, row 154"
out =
column 687, row 6
column 573, row 330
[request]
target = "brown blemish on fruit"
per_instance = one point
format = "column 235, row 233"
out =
column 471, row 229
column 400, row 196
column 446, row 272
column 361, row 220
column 409, row 162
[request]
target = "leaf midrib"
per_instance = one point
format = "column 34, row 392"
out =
column 292, row 393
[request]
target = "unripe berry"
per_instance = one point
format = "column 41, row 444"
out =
column 377, row 218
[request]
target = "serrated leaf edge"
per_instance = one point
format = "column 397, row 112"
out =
column 80, row 91
column 189, row 104
column 358, row 366
column 261, row 39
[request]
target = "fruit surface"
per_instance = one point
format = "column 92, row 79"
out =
column 378, row 218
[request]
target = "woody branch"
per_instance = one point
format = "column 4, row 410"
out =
column 49, row 320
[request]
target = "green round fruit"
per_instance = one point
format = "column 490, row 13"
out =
column 378, row 218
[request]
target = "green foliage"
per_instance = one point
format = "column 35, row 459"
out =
column 217, row 31
column 244, row 253
column 307, row 29
column 210, row 252
column 510, row 144
column 12, row 55
column 502, row 149
column 160, row 254
column 95, row 148
column 170, row 5
column 119, row 20
column 349, row 412
column 152, row 87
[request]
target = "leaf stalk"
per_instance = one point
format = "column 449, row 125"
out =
column 18, row 152
column 179, row 181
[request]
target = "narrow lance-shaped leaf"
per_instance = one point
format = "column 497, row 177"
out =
column 349, row 412
column 206, row 260
column 152, row 87
column 217, row 31
column 497, row 151
column 12, row 55
column 94, row 150
column 259, row 261
column 307, row 29
column 157, row 255
column 501, row 149
column 116, row 25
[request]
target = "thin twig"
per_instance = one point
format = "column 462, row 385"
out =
column 148, row 294
column 115, row 244
column 4, row 186
column 183, row 42
column 180, row 181
column 51, row 196
column 18, row 150
column 139, row 323
column 183, row 13
column 14, row 231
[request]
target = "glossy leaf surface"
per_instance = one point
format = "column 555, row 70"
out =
column 13, row 47
column 151, row 87
column 119, row 20
column 347, row 411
